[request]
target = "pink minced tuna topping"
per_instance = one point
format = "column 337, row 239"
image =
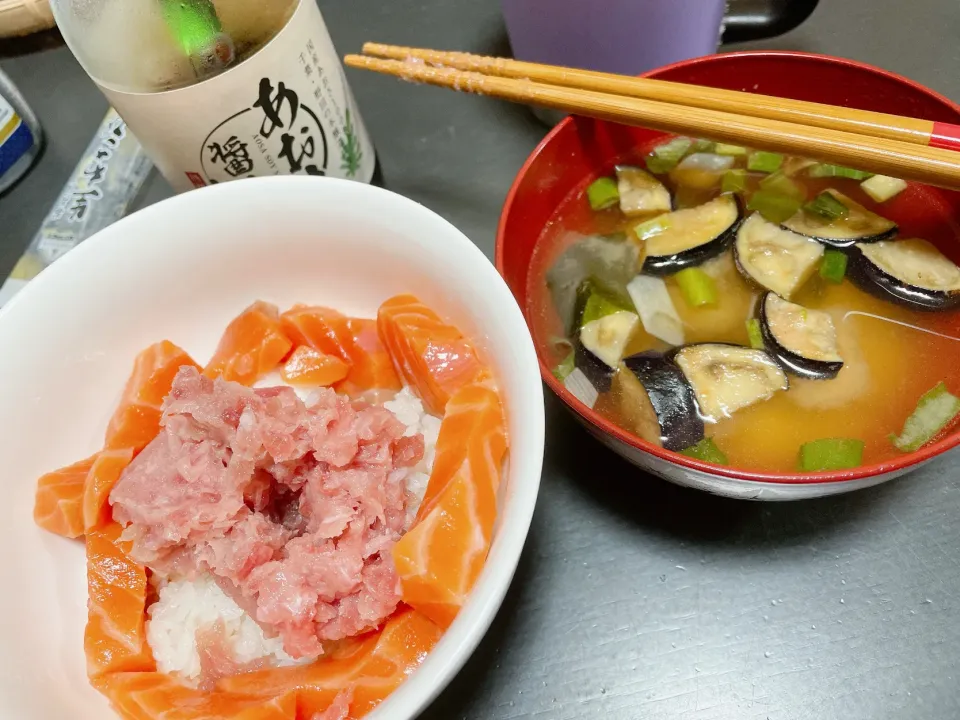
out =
column 292, row 508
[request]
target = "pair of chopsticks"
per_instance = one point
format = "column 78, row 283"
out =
column 903, row 147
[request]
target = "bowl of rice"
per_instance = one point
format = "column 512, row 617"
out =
column 213, row 628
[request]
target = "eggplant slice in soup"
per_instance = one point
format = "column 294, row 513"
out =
column 803, row 340
column 855, row 225
column 911, row 272
column 727, row 378
column 640, row 192
column 656, row 402
column 685, row 238
column 775, row 259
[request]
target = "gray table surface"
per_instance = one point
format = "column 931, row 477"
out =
column 635, row 598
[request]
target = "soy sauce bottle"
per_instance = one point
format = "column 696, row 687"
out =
column 217, row 90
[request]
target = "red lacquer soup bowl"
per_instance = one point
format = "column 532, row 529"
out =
column 580, row 149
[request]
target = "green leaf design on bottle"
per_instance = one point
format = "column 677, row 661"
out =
column 350, row 150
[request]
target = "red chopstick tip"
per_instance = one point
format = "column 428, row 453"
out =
column 945, row 136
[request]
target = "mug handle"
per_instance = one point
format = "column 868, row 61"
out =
column 757, row 19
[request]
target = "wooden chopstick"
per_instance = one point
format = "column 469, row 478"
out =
column 878, row 155
column 892, row 127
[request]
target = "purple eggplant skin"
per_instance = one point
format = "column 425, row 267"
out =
column 871, row 279
column 789, row 360
column 664, row 265
column 673, row 400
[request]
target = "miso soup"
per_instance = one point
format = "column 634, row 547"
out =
column 750, row 309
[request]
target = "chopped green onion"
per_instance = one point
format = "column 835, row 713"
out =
column 753, row 332
column 831, row 454
column 773, row 206
column 881, row 188
column 734, row 150
column 707, row 451
column 936, row 409
column 697, row 287
column 665, row 157
column 779, row 183
column 824, row 170
column 565, row 367
column 703, row 146
column 598, row 306
column 733, row 181
column 648, row 229
column 603, row 193
column 834, row 266
column 827, row 206
column 763, row 161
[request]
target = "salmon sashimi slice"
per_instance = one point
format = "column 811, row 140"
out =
column 103, row 475
column 441, row 557
column 157, row 696
column 353, row 340
column 321, row 328
column 307, row 366
column 375, row 667
column 58, row 506
column 137, row 419
column 430, row 355
column 471, row 425
column 115, row 637
column 253, row 344
column 372, row 367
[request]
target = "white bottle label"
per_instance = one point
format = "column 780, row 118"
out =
column 286, row 110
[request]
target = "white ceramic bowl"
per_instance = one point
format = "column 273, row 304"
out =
column 181, row 270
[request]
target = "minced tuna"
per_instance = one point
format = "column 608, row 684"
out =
column 290, row 508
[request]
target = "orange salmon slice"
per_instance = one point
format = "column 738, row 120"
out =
column 58, row 506
column 307, row 366
column 440, row 558
column 375, row 667
column 157, row 696
column 429, row 354
column 115, row 637
column 103, row 475
column 253, row 344
column 372, row 367
column 353, row 340
column 317, row 327
column 136, row 420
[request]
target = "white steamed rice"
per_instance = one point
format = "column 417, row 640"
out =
column 185, row 606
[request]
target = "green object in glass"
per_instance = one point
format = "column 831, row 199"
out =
column 194, row 24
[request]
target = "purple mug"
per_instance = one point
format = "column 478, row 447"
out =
column 632, row 36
